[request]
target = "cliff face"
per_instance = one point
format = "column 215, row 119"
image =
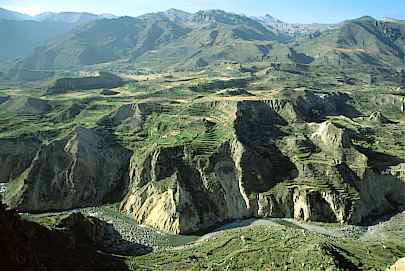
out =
column 259, row 169
column 81, row 170
column 194, row 165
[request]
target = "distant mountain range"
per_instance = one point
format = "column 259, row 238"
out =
column 22, row 33
column 290, row 28
column 12, row 15
column 61, row 17
column 182, row 40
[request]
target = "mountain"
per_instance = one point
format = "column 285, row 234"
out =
column 161, row 39
column 363, row 41
column 175, row 15
column 19, row 38
column 22, row 33
column 71, row 17
column 182, row 40
column 291, row 29
column 215, row 36
column 12, row 15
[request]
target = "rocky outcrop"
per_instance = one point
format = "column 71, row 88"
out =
column 315, row 106
column 84, row 169
column 261, row 171
column 16, row 156
column 132, row 116
column 81, row 227
column 379, row 118
column 34, row 247
column 398, row 266
column 104, row 80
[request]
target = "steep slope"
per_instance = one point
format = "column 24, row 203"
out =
column 257, row 162
column 361, row 41
column 30, row 246
column 20, row 38
column 104, row 41
column 158, row 39
column 84, row 169
column 12, row 15
column 216, row 36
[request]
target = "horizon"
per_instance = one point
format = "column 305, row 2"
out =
column 283, row 11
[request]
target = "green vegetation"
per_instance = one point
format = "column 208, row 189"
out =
column 273, row 248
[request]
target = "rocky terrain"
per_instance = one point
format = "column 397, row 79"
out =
column 29, row 246
column 299, row 158
column 72, row 173
column 219, row 151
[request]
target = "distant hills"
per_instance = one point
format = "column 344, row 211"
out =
column 364, row 40
column 183, row 40
column 71, row 17
column 61, row 17
column 292, row 29
column 19, row 38
column 12, row 15
column 22, row 33
column 171, row 38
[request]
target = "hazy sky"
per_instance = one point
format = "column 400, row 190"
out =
column 305, row 11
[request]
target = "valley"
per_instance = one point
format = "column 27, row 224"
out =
column 204, row 141
column 186, row 148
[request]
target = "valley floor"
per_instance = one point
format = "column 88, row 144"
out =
column 272, row 244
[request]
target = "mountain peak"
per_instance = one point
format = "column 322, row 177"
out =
column 6, row 14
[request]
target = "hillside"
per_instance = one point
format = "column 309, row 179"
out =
column 181, row 40
column 22, row 33
column 314, row 153
column 20, row 38
column 361, row 41
column 159, row 40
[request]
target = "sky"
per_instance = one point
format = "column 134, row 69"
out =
column 292, row 11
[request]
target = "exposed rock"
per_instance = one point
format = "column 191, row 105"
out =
column 130, row 115
column 178, row 190
column 84, row 169
column 398, row 266
column 379, row 118
column 16, row 156
column 314, row 106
